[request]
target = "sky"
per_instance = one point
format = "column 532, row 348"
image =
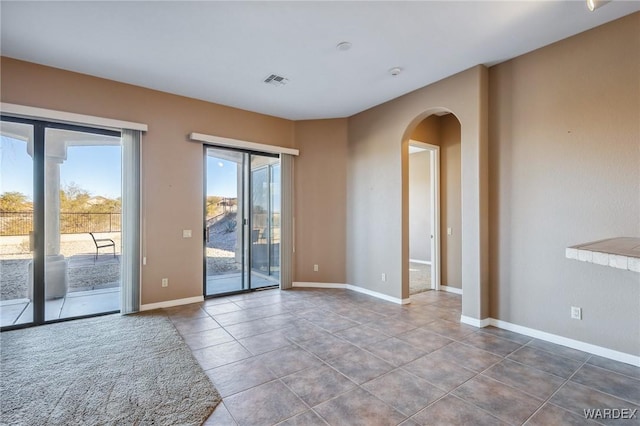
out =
column 96, row 169
column 222, row 177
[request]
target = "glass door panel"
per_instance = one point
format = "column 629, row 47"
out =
column 16, row 223
column 274, row 248
column 224, row 222
column 242, row 233
column 82, row 223
column 263, row 235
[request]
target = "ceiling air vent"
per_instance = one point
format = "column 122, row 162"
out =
column 276, row 80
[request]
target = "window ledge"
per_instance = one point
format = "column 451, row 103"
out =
column 620, row 253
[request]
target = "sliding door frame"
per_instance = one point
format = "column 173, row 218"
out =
column 247, row 219
column 39, row 130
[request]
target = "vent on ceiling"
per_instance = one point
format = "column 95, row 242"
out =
column 276, row 80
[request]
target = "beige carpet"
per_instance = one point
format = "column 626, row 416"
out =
column 110, row 370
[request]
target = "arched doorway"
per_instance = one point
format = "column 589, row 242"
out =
column 435, row 208
column 471, row 270
column 377, row 187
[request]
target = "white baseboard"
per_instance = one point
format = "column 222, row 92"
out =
column 450, row 289
column 378, row 295
column 317, row 285
column 554, row 338
column 571, row 343
column 481, row 323
column 170, row 303
column 353, row 288
column 475, row 322
column 424, row 262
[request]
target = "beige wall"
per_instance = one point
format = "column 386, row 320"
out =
column 320, row 199
column 420, row 206
column 451, row 201
column 172, row 169
column 564, row 157
column 377, row 187
column 428, row 130
column 444, row 131
column 565, row 169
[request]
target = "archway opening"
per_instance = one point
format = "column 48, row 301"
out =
column 433, row 245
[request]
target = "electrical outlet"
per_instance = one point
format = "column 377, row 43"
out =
column 165, row 282
column 384, row 277
column 449, row 231
column 576, row 313
column 186, row 233
column 315, row 268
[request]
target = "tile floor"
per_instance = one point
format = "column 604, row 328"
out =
column 317, row 357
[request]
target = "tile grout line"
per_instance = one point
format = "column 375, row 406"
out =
column 333, row 302
column 548, row 400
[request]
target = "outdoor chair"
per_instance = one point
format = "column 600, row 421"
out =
column 102, row 243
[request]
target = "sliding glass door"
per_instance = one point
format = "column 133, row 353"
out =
column 265, row 221
column 224, row 218
column 59, row 221
column 82, row 234
column 242, row 221
column 16, row 223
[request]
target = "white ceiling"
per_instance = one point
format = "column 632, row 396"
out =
column 222, row 51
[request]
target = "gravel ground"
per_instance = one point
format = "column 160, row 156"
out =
column 219, row 235
column 77, row 248
column 221, row 247
column 14, row 274
column 84, row 275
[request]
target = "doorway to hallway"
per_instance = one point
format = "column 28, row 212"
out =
column 424, row 218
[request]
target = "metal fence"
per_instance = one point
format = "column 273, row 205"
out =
column 21, row 223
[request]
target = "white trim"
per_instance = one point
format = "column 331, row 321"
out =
column 378, row 295
column 571, row 343
column 353, row 288
column 69, row 117
column 236, row 143
column 554, row 338
column 475, row 322
column 423, row 262
column 450, row 289
column 171, row 303
column 299, row 284
column 434, row 171
column 603, row 259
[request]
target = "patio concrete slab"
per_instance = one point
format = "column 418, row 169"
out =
column 91, row 304
column 20, row 311
column 10, row 312
column 226, row 283
column 51, row 311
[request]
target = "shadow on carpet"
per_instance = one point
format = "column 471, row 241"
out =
column 109, row 370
